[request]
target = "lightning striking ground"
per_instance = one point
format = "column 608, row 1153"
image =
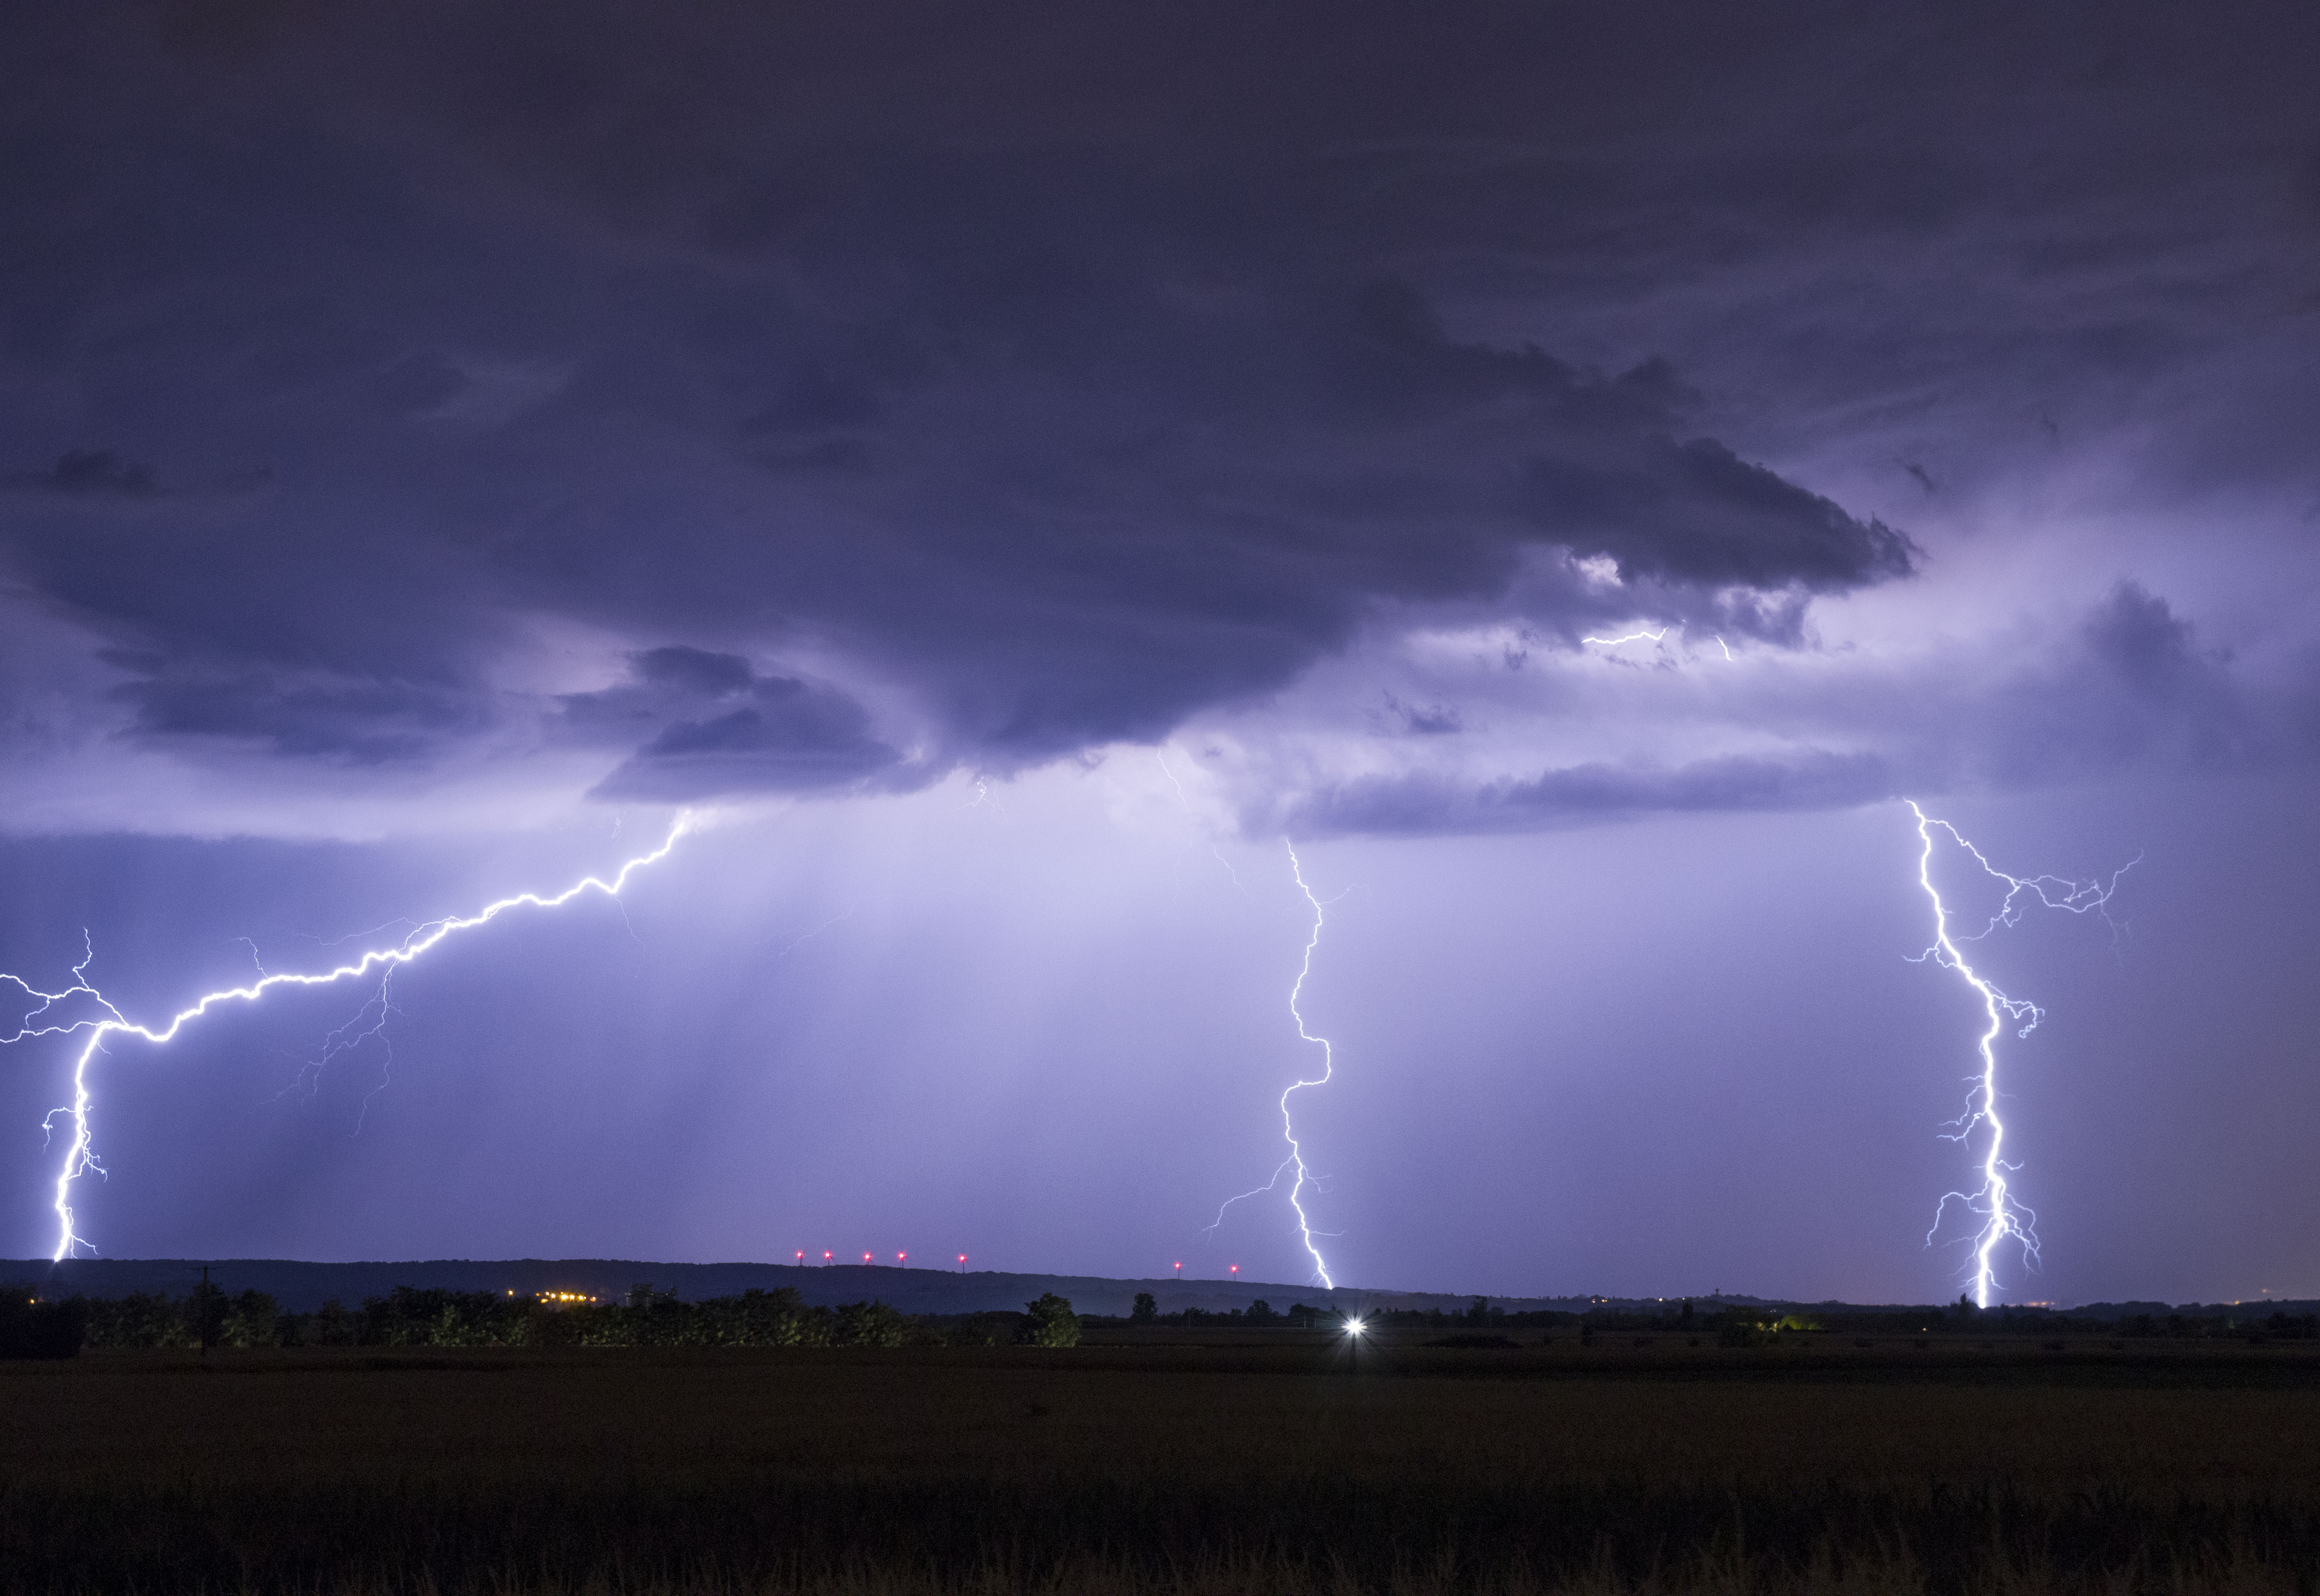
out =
column 2001, row 1213
column 1296, row 1159
column 80, row 1155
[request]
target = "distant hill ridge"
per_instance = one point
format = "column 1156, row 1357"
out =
column 302, row 1287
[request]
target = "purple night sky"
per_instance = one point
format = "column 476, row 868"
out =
column 1012, row 471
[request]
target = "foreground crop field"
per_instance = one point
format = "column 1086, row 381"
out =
column 1182, row 1462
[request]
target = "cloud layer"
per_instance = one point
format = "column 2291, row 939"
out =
column 982, row 396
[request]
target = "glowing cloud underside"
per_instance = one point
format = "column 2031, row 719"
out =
column 1999, row 1215
column 1296, row 1159
column 79, row 1154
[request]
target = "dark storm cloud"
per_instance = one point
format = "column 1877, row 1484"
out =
column 1072, row 415
column 2131, row 687
column 1427, row 803
column 2127, row 688
column 365, row 720
column 717, row 727
column 1396, row 719
column 86, row 471
column 1071, row 371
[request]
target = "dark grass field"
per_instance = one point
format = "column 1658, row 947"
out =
column 1174, row 1461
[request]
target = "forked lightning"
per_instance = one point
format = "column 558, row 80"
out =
column 1296, row 1159
column 80, row 1156
column 2000, row 1214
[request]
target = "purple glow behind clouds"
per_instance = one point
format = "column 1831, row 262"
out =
column 1662, row 1056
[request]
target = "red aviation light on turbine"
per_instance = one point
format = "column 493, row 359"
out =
column 899, row 1257
column 825, row 1255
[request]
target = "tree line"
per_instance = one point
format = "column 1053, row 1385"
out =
column 410, row 1316
column 1743, row 1324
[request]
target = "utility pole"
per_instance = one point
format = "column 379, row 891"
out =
column 202, row 1312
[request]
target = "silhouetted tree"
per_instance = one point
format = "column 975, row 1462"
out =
column 141, row 1318
column 978, row 1329
column 248, row 1320
column 1052, row 1323
column 876, row 1324
column 757, row 1317
column 1146, row 1309
column 30, row 1328
column 205, row 1311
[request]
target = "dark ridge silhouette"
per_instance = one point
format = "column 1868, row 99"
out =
column 302, row 1287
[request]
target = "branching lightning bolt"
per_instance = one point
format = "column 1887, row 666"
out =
column 1185, row 802
column 1296, row 1159
column 1648, row 636
column 80, row 1155
column 346, row 1038
column 2001, row 1213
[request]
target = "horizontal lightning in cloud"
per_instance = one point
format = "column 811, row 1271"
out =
column 1647, row 636
column 79, row 1156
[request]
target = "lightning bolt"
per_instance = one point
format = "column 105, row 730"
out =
column 347, row 1039
column 1185, row 802
column 1296, row 1159
column 80, row 1155
column 803, row 938
column 1653, row 637
column 2001, row 1213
